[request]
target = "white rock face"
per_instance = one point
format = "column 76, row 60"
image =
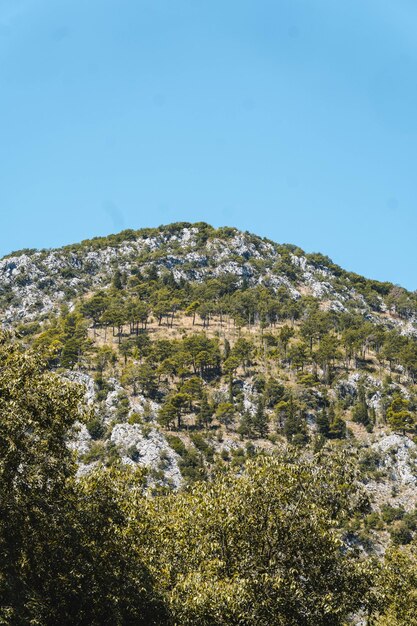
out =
column 337, row 306
column 248, row 402
column 112, row 400
column 227, row 445
column 376, row 401
column 409, row 328
column 81, row 441
column 399, row 456
column 85, row 380
column 349, row 387
column 140, row 404
column 152, row 450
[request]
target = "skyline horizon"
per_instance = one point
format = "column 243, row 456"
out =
column 294, row 120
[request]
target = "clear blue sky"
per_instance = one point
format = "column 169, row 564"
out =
column 294, row 119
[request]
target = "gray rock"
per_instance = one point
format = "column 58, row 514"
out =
column 81, row 441
column 399, row 454
column 150, row 450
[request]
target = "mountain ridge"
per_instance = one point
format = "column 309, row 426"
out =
column 45, row 278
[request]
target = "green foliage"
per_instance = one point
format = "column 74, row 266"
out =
column 173, row 408
column 292, row 422
column 337, row 428
column 390, row 514
column 245, row 427
column 96, row 427
column 192, row 465
column 140, row 377
column 225, row 413
column 176, row 444
column 399, row 416
column 330, row 425
column 65, row 338
column 282, row 566
column 273, row 392
column 260, row 422
column 29, row 328
column 373, row 521
column 122, row 407
column 323, row 423
column 203, row 446
column 370, row 463
column 360, row 411
column 397, row 584
column 205, row 413
column 65, row 554
column 401, row 534
column 135, row 418
column 95, row 306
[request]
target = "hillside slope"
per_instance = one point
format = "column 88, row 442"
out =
column 200, row 347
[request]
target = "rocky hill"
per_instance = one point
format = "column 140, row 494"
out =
column 200, row 347
column 35, row 282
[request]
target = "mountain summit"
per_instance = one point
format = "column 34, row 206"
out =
column 35, row 282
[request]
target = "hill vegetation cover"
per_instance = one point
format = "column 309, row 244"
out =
column 200, row 426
